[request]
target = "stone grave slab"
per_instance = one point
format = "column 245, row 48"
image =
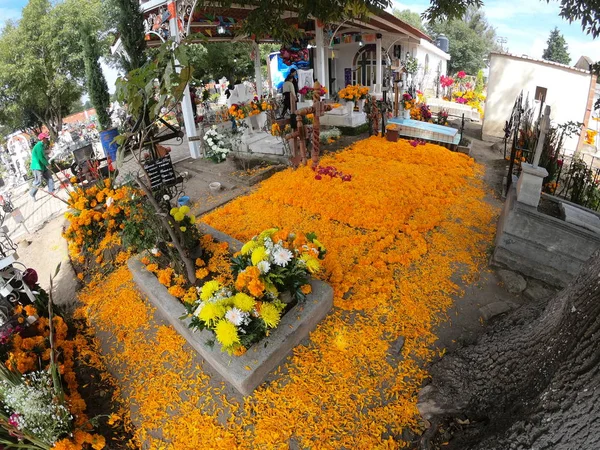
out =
column 580, row 217
column 245, row 373
column 353, row 120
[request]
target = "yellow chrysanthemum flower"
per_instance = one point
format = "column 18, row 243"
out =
column 248, row 247
column 184, row 209
column 226, row 333
column 312, row 263
column 209, row 288
column 179, row 216
column 211, row 312
column 259, row 254
column 174, row 211
column 192, row 219
column 270, row 315
column 183, row 229
column 267, row 233
column 243, row 302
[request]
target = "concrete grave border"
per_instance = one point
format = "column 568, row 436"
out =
column 248, row 371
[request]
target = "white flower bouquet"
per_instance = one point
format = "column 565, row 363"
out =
column 217, row 146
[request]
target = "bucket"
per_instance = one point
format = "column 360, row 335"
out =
column 110, row 148
column 184, row 200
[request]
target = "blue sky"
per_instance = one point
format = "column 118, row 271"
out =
column 526, row 25
column 11, row 9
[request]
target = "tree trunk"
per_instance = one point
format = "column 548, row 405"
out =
column 532, row 381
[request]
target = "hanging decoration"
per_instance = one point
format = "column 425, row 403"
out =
column 294, row 53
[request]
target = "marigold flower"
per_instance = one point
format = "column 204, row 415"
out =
column 306, row 289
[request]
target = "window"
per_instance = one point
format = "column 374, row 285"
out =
column 540, row 94
column 365, row 62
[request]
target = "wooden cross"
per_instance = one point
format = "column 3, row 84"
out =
column 298, row 137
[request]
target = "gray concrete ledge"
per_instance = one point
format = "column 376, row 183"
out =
column 245, row 373
column 541, row 246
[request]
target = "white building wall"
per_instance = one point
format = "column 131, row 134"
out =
column 567, row 92
column 345, row 53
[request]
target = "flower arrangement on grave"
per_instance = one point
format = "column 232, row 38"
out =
column 442, row 117
column 97, row 217
column 242, row 313
column 259, row 105
column 469, row 97
column 446, row 81
column 590, row 136
column 408, row 102
column 39, row 391
column 421, row 112
column 186, row 223
column 330, row 136
column 239, row 111
column 308, row 91
column 217, row 145
column 353, row 93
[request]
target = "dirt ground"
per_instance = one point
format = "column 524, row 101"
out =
column 43, row 251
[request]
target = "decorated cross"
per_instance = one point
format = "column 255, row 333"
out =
column 297, row 138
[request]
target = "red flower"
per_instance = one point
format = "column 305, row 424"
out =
column 461, row 74
column 318, row 177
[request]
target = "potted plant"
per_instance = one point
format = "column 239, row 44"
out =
column 99, row 96
column 392, row 132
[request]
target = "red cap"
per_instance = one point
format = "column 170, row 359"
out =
column 42, row 136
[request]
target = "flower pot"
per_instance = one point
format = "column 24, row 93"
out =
column 349, row 107
column 392, row 135
column 214, row 187
column 361, row 105
column 309, row 102
column 406, row 114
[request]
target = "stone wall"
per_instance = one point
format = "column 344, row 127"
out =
column 541, row 246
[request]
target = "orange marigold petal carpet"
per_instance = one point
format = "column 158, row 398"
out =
column 397, row 235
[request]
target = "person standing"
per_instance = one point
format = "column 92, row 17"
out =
column 288, row 91
column 39, row 166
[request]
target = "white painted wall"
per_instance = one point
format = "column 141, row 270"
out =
column 568, row 91
column 345, row 53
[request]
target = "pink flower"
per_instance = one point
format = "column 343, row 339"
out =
column 414, row 143
column 461, row 74
column 469, row 85
column 318, row 177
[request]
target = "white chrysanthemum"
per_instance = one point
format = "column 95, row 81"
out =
column 236, row 316
column 109, row 201
column 281, row 256
column 154, row 251
column 264, row 267
column 198, row 309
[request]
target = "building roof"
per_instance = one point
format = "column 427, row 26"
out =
column 207, row 20
column 541, row 61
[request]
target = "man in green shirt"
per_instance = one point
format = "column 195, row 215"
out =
column 39, row 166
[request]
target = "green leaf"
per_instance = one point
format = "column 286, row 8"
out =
column 57, row 270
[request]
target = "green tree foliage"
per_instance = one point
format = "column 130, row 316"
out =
column 41, row 63
column 471, row 39
column 557, row 50
column 96, row 83
column 129, row 22
column 410, row 17
column 221, row 59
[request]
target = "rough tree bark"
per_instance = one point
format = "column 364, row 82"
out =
column 531, row 382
